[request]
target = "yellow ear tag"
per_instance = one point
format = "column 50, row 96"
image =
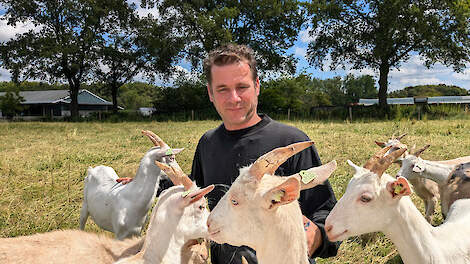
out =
column 398, row 188
column 169, row 152
column 277, row 196
column 185, row 194
column 307, row 176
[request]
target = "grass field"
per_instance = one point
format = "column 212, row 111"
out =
column 42, row 165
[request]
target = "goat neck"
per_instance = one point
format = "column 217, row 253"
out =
column 283, row 236
column 436, row 171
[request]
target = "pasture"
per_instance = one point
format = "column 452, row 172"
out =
column 42, row 165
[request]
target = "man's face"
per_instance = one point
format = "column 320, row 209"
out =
column 234, row 95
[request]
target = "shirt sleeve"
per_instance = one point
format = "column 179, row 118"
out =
column 316, row 203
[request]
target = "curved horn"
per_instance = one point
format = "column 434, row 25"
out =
column 383, row 163
column 269, row 162
column 375, row 158
column 419, row 151
column 400, row 137
column 176, row 175
column 156, row 140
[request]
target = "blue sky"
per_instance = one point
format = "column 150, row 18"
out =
column 410, row 73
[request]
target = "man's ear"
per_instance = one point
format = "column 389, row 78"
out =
column 399, row 188
column 209, row 91
column 284, row 193
column 257, row 86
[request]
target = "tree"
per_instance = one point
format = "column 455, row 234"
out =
column 430, row 90
column 64, row 44
column 134, row 46
column 10, row 103
column 383, row 34
column 359, row 87
column 269, row 27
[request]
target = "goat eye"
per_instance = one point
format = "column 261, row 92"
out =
column 201, row 207
column 234, row 202
column 365, row 198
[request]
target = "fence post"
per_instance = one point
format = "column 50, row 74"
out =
column 350, row 114
column 192, row 114
column 288, row 114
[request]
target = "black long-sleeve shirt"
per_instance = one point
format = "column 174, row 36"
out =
column 221, row 153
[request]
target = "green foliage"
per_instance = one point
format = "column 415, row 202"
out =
column 267, row 26
column 63, row 45
column 382, row 34
column 10, row 102
column 430, row 90
column 31, row 86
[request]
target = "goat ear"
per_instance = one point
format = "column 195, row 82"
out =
column 177, row 150
column 284, row 193
column 356, row 168
column 399, row 188
column 380, row 144
column 196, row 195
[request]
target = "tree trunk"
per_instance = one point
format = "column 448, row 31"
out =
column 74, row 100
column 114, row 91
column 383, row 86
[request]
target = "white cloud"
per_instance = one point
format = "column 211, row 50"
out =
column 300, row 52
column 305, row 37
column 5, row 75
column 463, row 76
column 7, row 32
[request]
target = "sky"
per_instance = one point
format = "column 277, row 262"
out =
column 411, row 73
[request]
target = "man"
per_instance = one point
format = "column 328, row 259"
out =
column 233, row 87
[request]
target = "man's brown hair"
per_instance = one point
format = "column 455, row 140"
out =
column 229, row 54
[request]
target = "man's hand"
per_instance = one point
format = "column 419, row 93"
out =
column 314, row 238
column 124, row 180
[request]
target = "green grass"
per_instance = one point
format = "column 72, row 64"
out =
column 42, row 165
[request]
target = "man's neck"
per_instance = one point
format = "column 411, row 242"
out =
column 255, row 119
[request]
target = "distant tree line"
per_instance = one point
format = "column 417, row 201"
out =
column 75, row 42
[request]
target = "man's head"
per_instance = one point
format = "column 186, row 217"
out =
column 230, row 54
column 233, row 85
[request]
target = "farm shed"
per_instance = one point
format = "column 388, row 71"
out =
column 420, row 99
column 56, row 103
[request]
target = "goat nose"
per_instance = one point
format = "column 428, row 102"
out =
column 328, row 228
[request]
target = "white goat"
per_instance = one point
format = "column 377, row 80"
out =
column 178, row 217
column 260, row 210
column 184, row 215
column 426, row 189
column 414, row 167
column 375, row 202
column 122, row 209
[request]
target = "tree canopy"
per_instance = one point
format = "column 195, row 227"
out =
column 430, row 90
column 383, row 34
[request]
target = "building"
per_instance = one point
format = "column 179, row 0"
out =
column 56, row 104
column 419, row 99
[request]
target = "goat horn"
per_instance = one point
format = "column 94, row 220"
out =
column 269, row 162
column 382, row 165
column 419, row 151
column 400, row 137
column 323, row 172
column 156, row 140
column 176, row 175
column 375, row 158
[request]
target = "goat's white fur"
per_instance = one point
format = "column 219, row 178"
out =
column 397, row 217
column 175, row 220
column 122, row 209
column 254, row 213
column 414, row 167
column 173, row 223
column 426, row 189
